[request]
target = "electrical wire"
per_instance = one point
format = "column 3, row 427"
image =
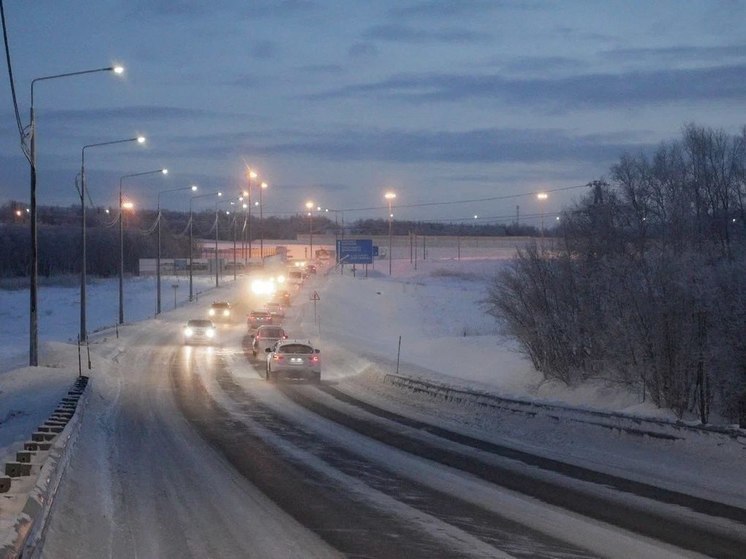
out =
column 19, row 123
column 448, row 203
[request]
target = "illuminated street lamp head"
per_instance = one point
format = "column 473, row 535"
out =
column 141, row 139
column 309, row 205
column 476, row 216
column 542, row 196
column 118, row 69
column 194, row 188
column 264, row 185
column 128, row 205
column 390, row 195
column 165, row 172
column 220, row 193
column 252, row 174
column 245, row 194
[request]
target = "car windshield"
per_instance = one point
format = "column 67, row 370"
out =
column 296, row 348
column 199, row 323
column 271, row 333
column 220, row 305
column 259, row 314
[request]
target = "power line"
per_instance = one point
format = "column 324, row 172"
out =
column 12, row 82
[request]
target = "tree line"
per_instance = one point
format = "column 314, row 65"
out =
column 645, row 285
column 59, row 235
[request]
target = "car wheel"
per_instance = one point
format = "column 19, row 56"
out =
column 316, row 378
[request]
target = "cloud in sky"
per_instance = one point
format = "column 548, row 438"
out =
column 450, row 9
column 489, row 145
column 410, row 34
column 568, row 93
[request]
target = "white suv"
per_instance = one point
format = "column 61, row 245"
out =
column 293, row 359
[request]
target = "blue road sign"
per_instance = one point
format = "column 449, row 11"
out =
column 355, row 251
column 375, row 250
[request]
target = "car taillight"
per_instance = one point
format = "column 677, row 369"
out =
column 277, row 357
column 314, row 359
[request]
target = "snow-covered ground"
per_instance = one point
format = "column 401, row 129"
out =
column 436, row 311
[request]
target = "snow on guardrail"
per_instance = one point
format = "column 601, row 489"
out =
column 627, row 423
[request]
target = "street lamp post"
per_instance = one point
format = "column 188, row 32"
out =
column 34, row 288
column 158, row 257
column 121, row 238
column 309, row 207
column 389, row 198
column 542, row 196
column 83, row 265
column 264, row 186
column 233, row 224
column 191, row 250
column 250, row 175
column 217, row 262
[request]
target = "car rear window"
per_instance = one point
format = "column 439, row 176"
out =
column 296, row 348
column 271, row 333
column 259, row 314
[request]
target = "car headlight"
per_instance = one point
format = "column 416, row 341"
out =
column 226, row 312
column 188, row 332
column 210, row 333
column 212, row 312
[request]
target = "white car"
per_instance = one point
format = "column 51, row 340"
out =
column 265, row 337
column 199, row 331
column 293, row 359
column 220, row 310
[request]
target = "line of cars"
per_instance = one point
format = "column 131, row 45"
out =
column 285, row 358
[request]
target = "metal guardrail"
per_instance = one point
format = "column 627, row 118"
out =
column 631, row 424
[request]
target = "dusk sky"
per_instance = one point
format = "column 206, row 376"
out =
column 338, row 101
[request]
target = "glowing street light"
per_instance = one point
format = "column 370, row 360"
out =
column 191, row 250
column 390, row 196
column 123, row 206
column 84, row 263
column 264, row 186
column 309, row 207
column 193, row 188
column 30, row 137
column 250, row 174
column 542, row 196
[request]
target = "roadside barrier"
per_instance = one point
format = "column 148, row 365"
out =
column 43, row 458
column 627, row 423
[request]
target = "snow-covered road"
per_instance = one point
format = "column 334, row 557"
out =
column 142, row 483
